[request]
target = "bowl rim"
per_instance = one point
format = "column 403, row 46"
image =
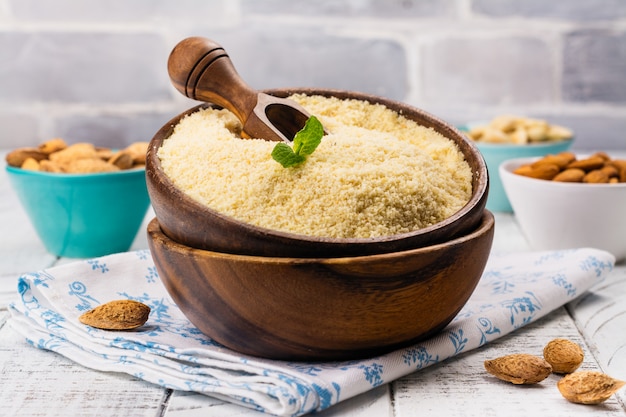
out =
column 506, row 169
column 76, row 176
column 478, row 195
column 487, row 223
column 545, row 144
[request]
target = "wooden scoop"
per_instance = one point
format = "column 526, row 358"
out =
column 202, row 70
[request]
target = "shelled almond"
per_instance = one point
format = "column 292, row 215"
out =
column 57, row 156
column 598, row 168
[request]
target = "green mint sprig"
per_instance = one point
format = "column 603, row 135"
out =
column 304, row 143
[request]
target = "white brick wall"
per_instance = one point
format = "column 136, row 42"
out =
column 96, row 69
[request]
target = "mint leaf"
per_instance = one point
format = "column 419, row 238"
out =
column 304, row 143
column 307, row 139
column 284, row 155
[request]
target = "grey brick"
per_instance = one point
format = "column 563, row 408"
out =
column 594, row 64
column 82, row 67
column 364, row 8
column 115, row 10
column 293, row 57
column 595, row 132
column 114, row 131
column 578, row 10
column 487, row 71
column 18, row 130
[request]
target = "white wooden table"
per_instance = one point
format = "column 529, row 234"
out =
column 41, row 383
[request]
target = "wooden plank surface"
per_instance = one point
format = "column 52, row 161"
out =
column 41, row 383
column 461, row 387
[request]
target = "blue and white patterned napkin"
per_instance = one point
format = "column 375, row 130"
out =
column 169, row 351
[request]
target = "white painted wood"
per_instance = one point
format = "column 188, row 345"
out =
column 601, row 318
column 375, row 403
column 461, row 387
column 40, row 383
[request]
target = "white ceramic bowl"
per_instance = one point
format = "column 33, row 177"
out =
column 555, row 215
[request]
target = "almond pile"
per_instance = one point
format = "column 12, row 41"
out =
column 560, row 356
column 598, row 168
column 57, row 156
column 518, row 130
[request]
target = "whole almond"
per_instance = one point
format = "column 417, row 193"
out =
column 564, row 355
column 542, row 172
column 597, row 176
column 602, row 155
column 138, row 150
column 519, row 368
column 620, row 165
column 52, row 145
column 50, row 166
column 570, row 175
column 117, row 315
column 74, row 152
column 16, row 157
column 122, row 160
column 88, row 165
column 588, row 387
column 610, row 171
column 560, row 160
column 31, row 164
column 588, row 164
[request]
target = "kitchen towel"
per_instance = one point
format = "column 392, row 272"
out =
column 168, row 350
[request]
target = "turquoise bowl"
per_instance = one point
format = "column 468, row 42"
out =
column 496, row 153
column 83, row 215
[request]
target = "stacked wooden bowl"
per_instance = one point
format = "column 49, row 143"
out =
column 288, row 296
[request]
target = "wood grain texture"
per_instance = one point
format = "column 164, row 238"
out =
column 601, row 317
column 322, row 309
column 460, row 386
column 40, row 383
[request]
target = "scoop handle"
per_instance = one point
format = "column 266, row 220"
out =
column 202, row 70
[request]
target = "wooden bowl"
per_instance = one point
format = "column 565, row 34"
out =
column 193, row 224
column 324, row 308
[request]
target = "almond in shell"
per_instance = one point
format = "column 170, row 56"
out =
column 16, row 157
column 564, row 355
column 519, row 368
column 588, row 387
column 117, row 315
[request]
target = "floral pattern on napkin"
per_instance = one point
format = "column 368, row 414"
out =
column 168, row 350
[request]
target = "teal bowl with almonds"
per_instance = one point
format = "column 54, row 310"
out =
column 83, row 215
